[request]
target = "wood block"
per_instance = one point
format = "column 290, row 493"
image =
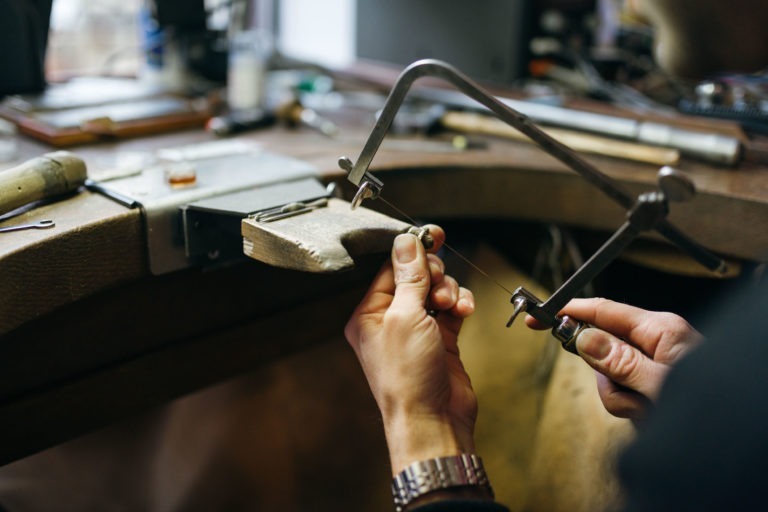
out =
column 323, row 240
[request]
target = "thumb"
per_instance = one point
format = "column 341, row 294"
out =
column 411, row 272
column 621, row 362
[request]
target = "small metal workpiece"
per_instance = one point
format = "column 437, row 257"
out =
column 424, row 236
column 42, row 224
column 289, row 210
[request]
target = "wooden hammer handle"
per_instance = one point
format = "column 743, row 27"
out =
column 43, row 177
column 468, row 122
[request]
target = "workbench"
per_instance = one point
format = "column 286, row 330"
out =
column 89, row 335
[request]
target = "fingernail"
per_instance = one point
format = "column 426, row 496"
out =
column 405, row 248
column 594, row 344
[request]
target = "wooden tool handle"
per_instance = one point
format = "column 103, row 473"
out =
column 46, row 176
column 587, row 143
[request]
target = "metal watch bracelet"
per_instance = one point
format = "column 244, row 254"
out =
column 430, row 475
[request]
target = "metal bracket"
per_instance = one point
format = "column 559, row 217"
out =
column 212, row 227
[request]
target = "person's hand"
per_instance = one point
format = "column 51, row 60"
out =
column 405, row 334
column 631, row 350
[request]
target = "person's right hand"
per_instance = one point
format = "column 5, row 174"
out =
column 630, row 348
column 405, row 335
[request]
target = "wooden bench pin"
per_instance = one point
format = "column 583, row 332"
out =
column 324, row 238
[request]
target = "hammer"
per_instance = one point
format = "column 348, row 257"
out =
column 44, row 177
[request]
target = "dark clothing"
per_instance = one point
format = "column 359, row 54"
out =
column 461, row 506
column 705, row 446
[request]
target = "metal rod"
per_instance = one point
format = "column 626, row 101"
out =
column 591, row 268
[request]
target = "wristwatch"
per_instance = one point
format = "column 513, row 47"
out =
column 430, row 475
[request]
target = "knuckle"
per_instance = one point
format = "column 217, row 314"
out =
column 451, row 284
column 601, row 307
column 622, row 362
column 678, row 324
column 410, row 276
column 436, row 262
column 601, row 301
column 676, row 328
column 672, row 322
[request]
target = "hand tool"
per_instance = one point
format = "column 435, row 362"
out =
column 240, row 121
column 43, row 177
column 647, row 212
column 41, row 224
column 710, row 147
column 294, row 113
column 478, row 123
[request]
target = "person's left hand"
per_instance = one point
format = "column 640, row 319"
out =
column 405, row 334
column 631, row 350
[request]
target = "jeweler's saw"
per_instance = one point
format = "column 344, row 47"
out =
column 644, row 213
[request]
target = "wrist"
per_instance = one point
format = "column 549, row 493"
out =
column 414, row 438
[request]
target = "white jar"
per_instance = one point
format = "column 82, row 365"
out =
column 249, row 53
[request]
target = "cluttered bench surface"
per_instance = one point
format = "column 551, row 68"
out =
column 96, row 324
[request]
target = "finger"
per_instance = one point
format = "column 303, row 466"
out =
column 620, row 401
column 444, row 295
column 535, row 324
column 436, row 269
column 615, row 317
column 450, row 321
column 611, row 316
column 622, row 363
column 384, row 281
column 642, row 328
column 382, row 288
column 465, row 306
column 411, row 274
